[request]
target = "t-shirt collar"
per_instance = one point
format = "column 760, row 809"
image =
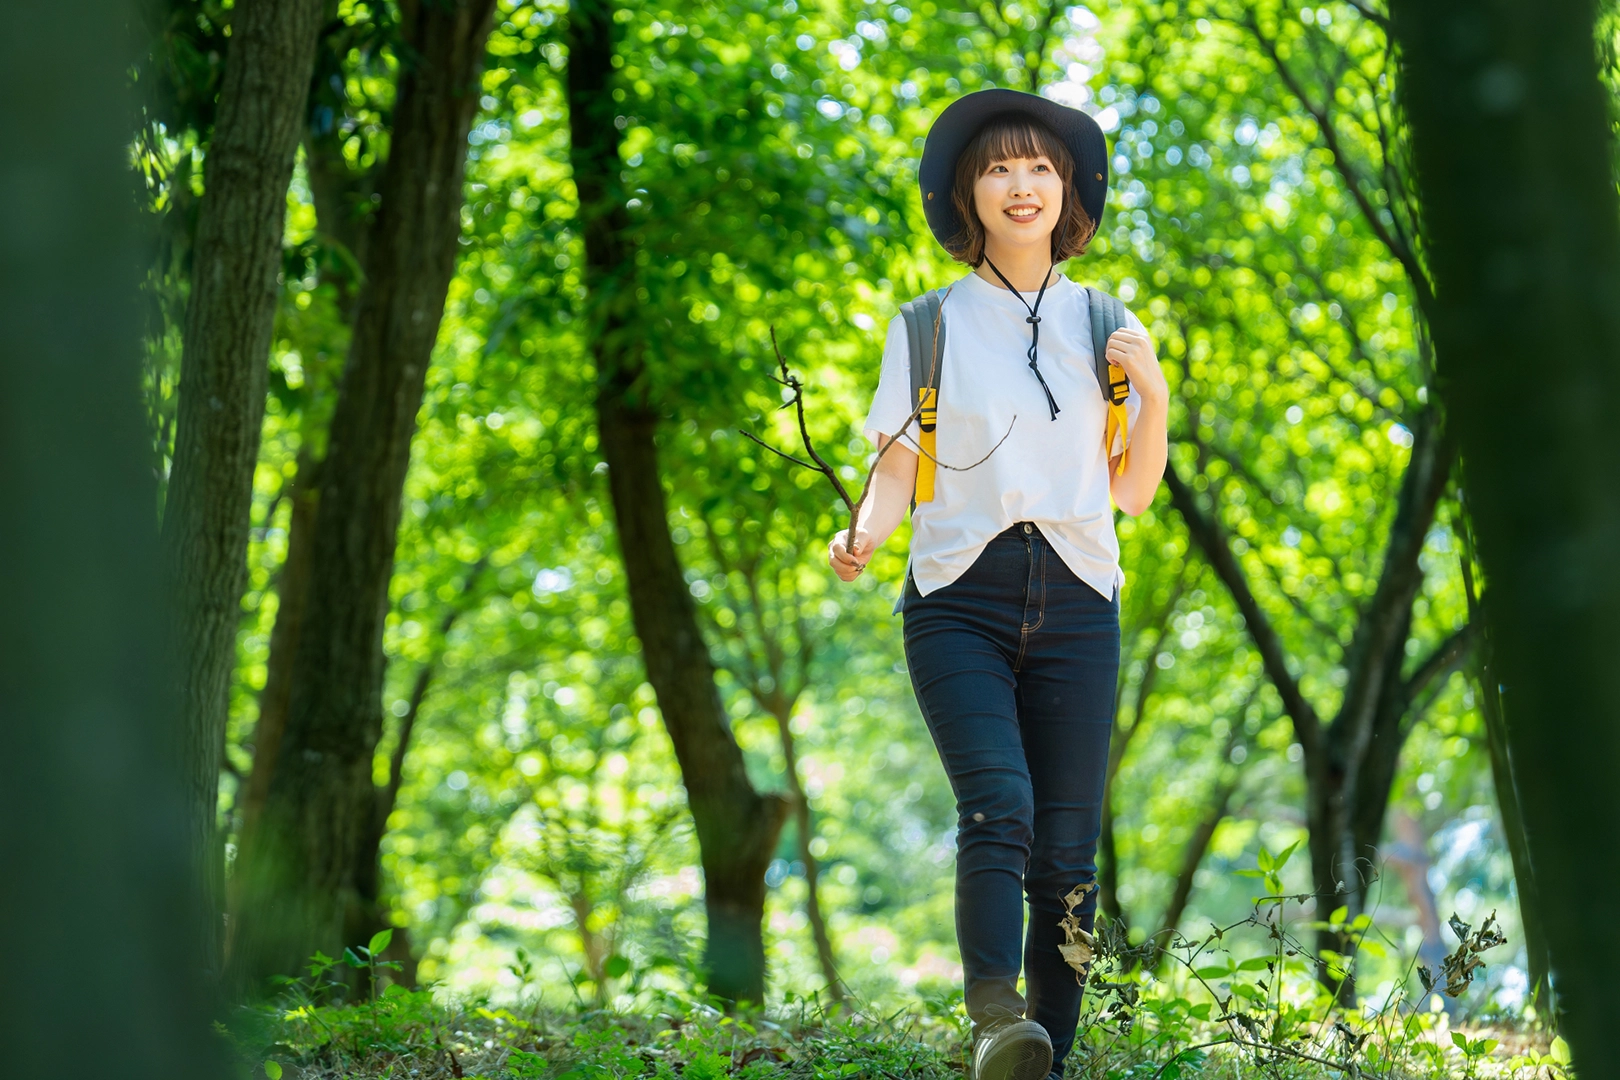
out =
column 997, row 295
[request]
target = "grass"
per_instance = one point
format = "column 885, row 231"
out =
column 410, row 1034
column 1242, row 1002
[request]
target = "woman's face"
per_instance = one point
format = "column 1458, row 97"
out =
column 1019, row 201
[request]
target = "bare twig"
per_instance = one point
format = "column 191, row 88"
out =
column 819, row 464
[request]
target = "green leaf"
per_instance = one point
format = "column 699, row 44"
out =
column 1213, row 972
column 379, row 941
column 1484, row 1046
column 1267, row 863
column 1287, row 853
column 1340, row 914
column 1460, row 1041
column 1200, row 1011
column 1560, row 1051
column 272, row 1069
column 616, row 967
column 1172, row 1071
column 352, row 958
column 1255, row 963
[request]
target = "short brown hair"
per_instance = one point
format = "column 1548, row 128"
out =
column 1016, row 137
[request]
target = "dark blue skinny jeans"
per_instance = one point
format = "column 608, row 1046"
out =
column 1014, row 665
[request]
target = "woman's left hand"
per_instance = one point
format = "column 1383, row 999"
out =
column 1132, row 349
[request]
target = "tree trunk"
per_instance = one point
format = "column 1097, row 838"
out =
column 812, row 869
column 99, row 907
column 299, row 886
column 1510, row 127
column 292, row 587
column 372, row 911
column 1356, row 745
column 1191, row 858
column 229, row 320
column 736, row 826
column 337, row 193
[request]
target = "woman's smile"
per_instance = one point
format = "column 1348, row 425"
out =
column 1023, row 212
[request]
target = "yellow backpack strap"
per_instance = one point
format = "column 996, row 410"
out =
column 925, row 335
column 1108, row 315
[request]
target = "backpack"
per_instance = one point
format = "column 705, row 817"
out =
column 925, row 336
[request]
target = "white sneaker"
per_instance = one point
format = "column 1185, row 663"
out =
column 1012, row 1048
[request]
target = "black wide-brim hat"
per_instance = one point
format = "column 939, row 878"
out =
column 966, row 117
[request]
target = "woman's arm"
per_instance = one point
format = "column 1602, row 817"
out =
column 1133, row 490
column 884, row 509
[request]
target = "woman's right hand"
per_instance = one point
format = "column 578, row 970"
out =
column 845, row 563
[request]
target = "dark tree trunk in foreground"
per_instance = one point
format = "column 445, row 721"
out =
column 737, row 827
column 299, row 886
column 1511, row 132
column 98, row 908
column 229, row 319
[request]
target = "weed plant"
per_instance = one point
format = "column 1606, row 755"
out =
column 1246, row 1000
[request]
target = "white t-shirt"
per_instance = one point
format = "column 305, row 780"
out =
column 1051, row 472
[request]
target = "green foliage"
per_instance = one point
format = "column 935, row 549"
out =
column 539, row 853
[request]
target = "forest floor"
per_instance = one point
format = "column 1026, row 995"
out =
column 412, row 1035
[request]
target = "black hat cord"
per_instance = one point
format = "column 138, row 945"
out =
column 1034, row 320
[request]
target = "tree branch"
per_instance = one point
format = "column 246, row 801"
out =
column 1342, row 164
column 1207, row 533
column 1449, row 655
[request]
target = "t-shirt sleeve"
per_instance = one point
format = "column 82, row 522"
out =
column 1133, row 400
column 892, row 403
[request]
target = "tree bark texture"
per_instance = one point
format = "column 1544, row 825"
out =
column 292, row 587
column 1510, row 127
column 299, row 887
column 340, row 196
column 737, row 827
column 229, row 320
column 1350, row 762
column 99, row 906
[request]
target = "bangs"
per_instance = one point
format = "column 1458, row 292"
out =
column 1014, row 137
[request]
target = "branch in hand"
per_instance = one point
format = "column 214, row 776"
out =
column 819, row 464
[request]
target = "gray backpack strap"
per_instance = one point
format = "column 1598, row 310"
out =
column 927, row 354
column 1107, row 315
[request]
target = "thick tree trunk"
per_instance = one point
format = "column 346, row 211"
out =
column 736, row 826
column 98, row 908
column 229, row 319
column 299, row 885
column 1510, row 126
column 1555, row 590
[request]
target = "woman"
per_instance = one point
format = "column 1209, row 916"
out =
column 1011, row 600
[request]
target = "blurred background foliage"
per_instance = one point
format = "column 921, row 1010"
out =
column 539, row 837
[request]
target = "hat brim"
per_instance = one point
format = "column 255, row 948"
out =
column 966, row 116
